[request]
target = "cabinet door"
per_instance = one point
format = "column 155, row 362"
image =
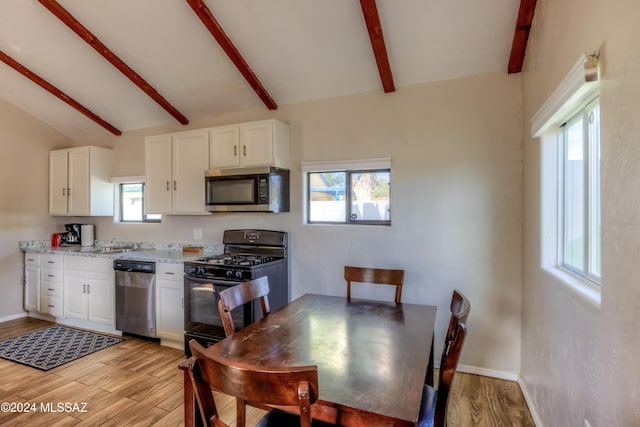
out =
column 158, row 182
column 79, row 180
column 256, row 140
column 58, row 182
column 169, row 310
column 224, row 149
column 75, row 294
column 190, row 158
column 101, row 295
column 32, row 288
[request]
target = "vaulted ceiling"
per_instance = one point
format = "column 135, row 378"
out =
column 104, row 66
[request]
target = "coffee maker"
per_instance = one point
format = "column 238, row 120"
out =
column 72, row 235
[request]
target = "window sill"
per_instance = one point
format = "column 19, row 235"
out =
column 586, row 291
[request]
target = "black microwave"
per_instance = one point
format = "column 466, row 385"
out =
column 264, row 189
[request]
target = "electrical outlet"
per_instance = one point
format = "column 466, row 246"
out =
column 197, row 233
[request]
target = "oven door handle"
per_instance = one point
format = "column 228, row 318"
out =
column 214, row 282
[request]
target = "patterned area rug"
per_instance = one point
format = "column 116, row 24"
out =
column 51, row 347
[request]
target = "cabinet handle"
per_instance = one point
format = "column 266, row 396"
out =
column 51, row 262
column 170, row 273
column 235, row 150
column 51, row 275
column 89, row 288
column 50, row 289
column 50, row 306
column 84, row 289
column 174, row 186
column 168, row 188
column 68, row 191
column 244, row 150
column 64, row 191
column 30, row 259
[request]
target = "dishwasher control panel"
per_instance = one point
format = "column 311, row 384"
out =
column 134, row 266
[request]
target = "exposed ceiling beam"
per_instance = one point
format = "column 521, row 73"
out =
column 75, row 25
column 521, row 35
column 371, row 18
column 209, row 21
column 57, row 92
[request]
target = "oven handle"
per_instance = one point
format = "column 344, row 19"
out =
column 216, row 282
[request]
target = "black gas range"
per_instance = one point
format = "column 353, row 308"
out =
column 248, row 254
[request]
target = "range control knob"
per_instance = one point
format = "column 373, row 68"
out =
column 229, row 273
column 201, row 271
column 239, row 274
column 192, row 270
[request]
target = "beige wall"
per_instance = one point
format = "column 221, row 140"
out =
column 580, row 361
column 455, row 148
column 24, row 172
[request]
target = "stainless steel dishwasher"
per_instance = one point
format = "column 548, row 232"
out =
column 136, row 297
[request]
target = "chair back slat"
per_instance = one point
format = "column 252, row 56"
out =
column 454, row 340
column 375, row 275
column 238, row 295
column 287, row 386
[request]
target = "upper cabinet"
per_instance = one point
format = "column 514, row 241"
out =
column 174, row 172
column 262, row 143
column 80, row 182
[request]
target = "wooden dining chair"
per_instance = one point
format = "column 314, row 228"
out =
column 295, row 386
column 238, row 295
column 433, row 409
column 374, row 275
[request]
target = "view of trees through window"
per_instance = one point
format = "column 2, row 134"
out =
column 366, row 197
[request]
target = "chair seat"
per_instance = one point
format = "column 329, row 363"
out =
column 278, row 418
column 427, row 407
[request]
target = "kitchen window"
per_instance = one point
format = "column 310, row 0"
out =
column 579, row 193
column 355, row 192
column 131, row 203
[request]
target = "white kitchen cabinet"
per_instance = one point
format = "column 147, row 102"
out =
column 32, row 282
column 51, row 285
column 80, row 181
column 89, row 289
column 253, row 144
column 170, row 304
column 174, row 172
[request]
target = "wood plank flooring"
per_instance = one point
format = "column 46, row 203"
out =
column 138, row 383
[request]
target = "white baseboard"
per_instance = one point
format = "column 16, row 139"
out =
column 493, row 373
column 527, row 397
column 13, row 317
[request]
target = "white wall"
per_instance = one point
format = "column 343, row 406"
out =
column 24, row 173
column 455, row 148
column 580, row 361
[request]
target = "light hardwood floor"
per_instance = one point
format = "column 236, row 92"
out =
column 138, row 383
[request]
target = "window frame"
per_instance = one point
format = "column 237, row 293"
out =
column 348, row 167
column 591, row 206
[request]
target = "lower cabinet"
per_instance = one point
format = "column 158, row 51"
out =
column 89, row 290
column 32, row 282
column 169, row 304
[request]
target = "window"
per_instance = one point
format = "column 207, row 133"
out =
column 132, row 204
column 579, row 193
column 348, row 192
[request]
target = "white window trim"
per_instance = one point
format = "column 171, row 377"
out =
column 580, row 86
column 337, row 165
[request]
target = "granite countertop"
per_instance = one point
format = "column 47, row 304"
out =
column 145, row 251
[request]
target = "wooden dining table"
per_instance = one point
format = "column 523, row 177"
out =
column 372, row 357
